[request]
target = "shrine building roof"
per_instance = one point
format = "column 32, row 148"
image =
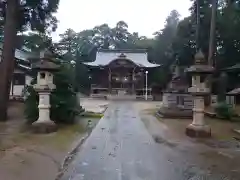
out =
column 138, row 56
column 21, row 55
column 234, row 92
column 235, row 67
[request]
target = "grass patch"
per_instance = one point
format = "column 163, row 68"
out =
column 60, row 140
column 158, row 116
column 150, row 111
column 88, row 114
column 223, row 130
column 153, row 112
column 20, row 134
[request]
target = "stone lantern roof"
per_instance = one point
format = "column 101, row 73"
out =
column 45, row 62
column 200, row 66
column 199, row 58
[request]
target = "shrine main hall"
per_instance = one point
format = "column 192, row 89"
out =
column 121, row 72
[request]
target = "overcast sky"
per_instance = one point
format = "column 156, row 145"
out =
column 143, row 16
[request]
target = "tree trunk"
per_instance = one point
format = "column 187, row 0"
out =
column 197, row 25
column 8, row 55
column 212, row 45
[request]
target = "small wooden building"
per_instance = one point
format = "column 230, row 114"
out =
column 233, row 84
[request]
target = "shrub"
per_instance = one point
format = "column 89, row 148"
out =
column 224, row 111
column 31, row 103
column 64, row 101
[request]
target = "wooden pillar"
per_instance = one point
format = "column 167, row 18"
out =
column 91, row 90
column 12, row 86
column 133, row 81
column 109, row 80
column 133, row 85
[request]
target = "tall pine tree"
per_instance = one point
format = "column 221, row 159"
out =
column 19, row 15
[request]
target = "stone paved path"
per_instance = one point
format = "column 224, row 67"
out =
column 120, row 148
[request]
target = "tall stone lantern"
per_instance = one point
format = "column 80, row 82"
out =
column 44, row 86
column 199, row 71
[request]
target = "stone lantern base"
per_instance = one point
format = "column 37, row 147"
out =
column 44, row 127
column 197, row 131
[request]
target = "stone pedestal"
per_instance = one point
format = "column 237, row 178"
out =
column 172, row 107
column 44, row 127
column 198, row 127
column 198, row 131
column 44, row 124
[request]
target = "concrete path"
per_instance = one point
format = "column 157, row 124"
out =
column 120, row 148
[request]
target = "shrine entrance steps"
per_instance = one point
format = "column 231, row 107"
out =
column 121, row 97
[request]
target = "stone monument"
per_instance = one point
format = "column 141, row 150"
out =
column 176, row 101
column 199, row 71
column 44, row 86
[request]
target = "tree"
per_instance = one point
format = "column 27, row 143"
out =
column 121, row 35
column 212, row 45
column 102, row 36
column 164, row 40
column 67, row 45
column 34, row 42
column 82, row 76
column 229, row 38
column 184, row 43
column 18, row 16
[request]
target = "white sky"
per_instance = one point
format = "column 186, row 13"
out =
column 143, row 16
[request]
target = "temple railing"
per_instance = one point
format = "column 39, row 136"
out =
column 103, row 92
column 141, row 93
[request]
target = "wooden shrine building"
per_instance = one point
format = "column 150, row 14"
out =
column 120, row 72
column 22, row 75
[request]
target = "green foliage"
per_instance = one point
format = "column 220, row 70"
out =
column 101, row 36
column 161, row 77
column 36, row 15
column 31, row 103
column 83, row 79
column 87, row 114
column 163, row 49
column 224, row 111
column 64, row 101
column 222, row 88
column 34, row 42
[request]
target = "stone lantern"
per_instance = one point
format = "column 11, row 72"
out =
column 199, row 71
column 44, row 86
